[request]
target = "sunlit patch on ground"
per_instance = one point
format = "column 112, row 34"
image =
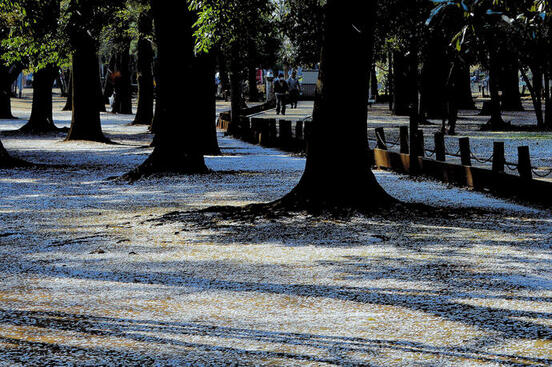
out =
column 95, row 271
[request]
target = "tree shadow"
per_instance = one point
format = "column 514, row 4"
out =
column 334, row 350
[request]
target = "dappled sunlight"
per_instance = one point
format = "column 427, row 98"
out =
column 96, row 270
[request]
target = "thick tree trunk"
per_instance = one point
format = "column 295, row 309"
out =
column 7, row 161
column 41, row 120
column 207, row 109
column 434, row 78
column 85, row 121
column 404, row 84
column 144, row 111
column 462, row 91
column 123, row 89
column 509, row 85
column 178, row 148
column 337, row 173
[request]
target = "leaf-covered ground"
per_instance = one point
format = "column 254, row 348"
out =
column 99, row 272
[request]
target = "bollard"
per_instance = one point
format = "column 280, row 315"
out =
column 524, row 163
column 380, row 138
column 465, row 151
column 420, row 141
column 285, row 134
column 403, row 134
column 413, row 158
column 439, row 139
column 498, row 157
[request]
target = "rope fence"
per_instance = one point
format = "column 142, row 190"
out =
column 541, row 172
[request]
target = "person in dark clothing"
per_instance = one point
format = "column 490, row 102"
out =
column 280, row 91
column 294, row 91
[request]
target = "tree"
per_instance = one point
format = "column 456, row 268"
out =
column 178, row 147
column 34, row 41
column 84, row 22
column 337, row 173
column 144, row 111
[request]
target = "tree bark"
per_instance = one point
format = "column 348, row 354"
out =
column 252, row 73
column 144, row 111
column 85, row 121
column 178, row 148
column 123, row 90
column 496, row 122
column 41, row 120
column 374, row 83
column 236, row 92
column 547, row 101
column 207, row 109
column 7, row 161
column 434, row 78
column 462, row 83
column 509, row 84
column 337, row 173
column 404, row 84
column 69, row 102
column 8, row 75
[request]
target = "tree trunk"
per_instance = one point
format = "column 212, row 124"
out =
column 509, row 84
column 123, row 89
column 179, row 145
column 223, row 73
column 535, row 89
column 547, row 101
column 337, row 173
column 435, row 73
column 207, row 109
column 144, row 111
column 8, row 75
column 462, row 91
column 69, row 102
column 41, row 120
column 85, row 121
column 374, row 83
column 236, row 92
column 496, row 122
column 404, row 84
column 7, row 161
column 252, row 73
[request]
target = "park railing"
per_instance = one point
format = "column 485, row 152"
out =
column 518, row 180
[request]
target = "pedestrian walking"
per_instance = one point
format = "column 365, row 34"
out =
column 280, row 91
column 294, row 89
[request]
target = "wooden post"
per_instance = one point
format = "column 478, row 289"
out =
column 524, row 163
column 420, row 141
column 439, row 139
column 380, row 138
column 299, row 130
column 414, row 165
column 272, row 132
column 498, row 157
column 403, row 133
column 285, row 134
column 264, row 138
column 465, row 156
